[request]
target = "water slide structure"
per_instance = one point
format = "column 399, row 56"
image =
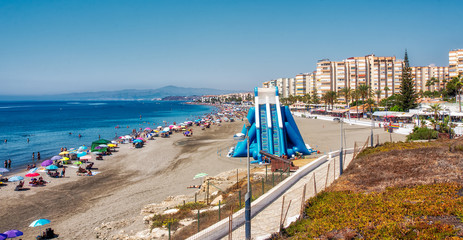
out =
column 272, row 128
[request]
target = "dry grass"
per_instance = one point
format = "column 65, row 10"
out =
column 397, row 191
column 402, row 164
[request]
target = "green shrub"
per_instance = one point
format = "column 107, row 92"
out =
column 422, row 133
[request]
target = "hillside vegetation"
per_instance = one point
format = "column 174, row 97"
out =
column 394, row 191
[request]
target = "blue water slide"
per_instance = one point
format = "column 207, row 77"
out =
column 296, row 140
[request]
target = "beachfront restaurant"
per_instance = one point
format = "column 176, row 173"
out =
column 397, row 117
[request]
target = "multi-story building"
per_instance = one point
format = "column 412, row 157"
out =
column 286, row 86
column 305, row 83
column 455, row 63
column 379, row 73
column 430, row 78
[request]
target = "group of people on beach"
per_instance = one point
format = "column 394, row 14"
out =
column 8, row 163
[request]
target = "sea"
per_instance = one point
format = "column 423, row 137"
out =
column 46, row 127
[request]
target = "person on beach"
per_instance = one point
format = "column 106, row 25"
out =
column 61, row 150
column 33, row 156
column 6, row 140
column 63, row 172
column 9, row 163
column 6, row 164
column 38, row 156
column 27, row 140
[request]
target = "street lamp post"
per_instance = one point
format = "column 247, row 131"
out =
column 372, row 124
column 247, row 203
column 340, row 153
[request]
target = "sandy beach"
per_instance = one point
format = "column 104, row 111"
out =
column 133, row 178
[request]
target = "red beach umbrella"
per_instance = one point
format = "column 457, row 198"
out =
column 32, row 175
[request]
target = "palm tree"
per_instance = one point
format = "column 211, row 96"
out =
column 370, row 103
column 459, row 83
column 315, row 98
column 364, row 92
column 325, row 98
column 345, row 92
column 378, row 95
column 386, row 89
column 332, row 97
column 356, row 95
column 436, row 108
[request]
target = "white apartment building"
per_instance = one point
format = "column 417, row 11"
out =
column 305, row 83
column 286, row 86
column 376, row 72
column 455, row 63
column 422, row 75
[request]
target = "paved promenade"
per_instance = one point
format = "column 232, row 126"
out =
column 267, row 221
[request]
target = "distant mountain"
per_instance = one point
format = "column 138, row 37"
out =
column 128, row 94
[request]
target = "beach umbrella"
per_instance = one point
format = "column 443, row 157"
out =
column 13, row 233
column 200, row 175
column 64, row 153
column 15, row 179
column 103, row 146
column 39, row 222
column 52, row 167
column 65, row 159
column 4, row 170
column 83, row 148
column 86, row 157
column 56, row 158
column 166, row 129
column 47, row 163
column 3, row 236
column 81, row 154
column 111, row 145
column 32, row 174
column 147, row 128
column 77, row 162
column 98, row 147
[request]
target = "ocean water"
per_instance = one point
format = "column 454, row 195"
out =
column 48, row 125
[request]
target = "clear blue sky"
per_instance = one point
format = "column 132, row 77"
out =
column 64, row 46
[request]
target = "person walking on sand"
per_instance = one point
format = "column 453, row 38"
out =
column 63, row 172
column 9, row 163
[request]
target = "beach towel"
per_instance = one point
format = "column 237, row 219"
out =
column 32, row 170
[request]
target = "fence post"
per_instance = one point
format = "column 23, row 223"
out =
column 301, row 213
column 219, row 209
column 273, row 179
column 207, row 194
column 230, row 225
column 169, row 229
column 263, row 187
column 327, row 174
column 239, row 196
column 196, row 194
column 314, row 184
column 281, row 216
column 266, row 170
column 198, row 220
column 237, row 181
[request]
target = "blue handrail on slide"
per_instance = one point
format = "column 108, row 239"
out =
column 263, row 127
column 275, row 130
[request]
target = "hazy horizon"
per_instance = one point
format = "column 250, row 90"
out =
column 52, row 47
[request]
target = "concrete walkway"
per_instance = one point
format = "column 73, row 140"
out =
column 267, row 221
